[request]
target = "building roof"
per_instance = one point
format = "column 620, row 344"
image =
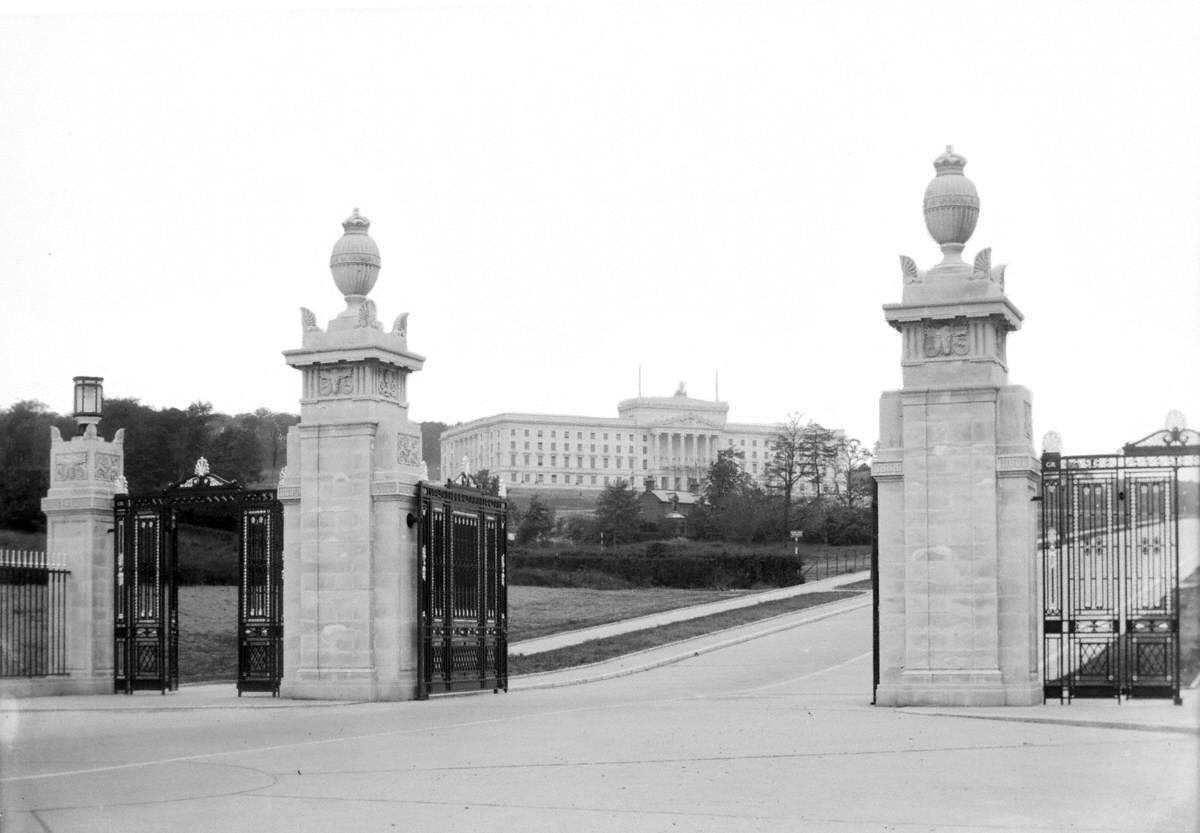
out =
column 667, row 496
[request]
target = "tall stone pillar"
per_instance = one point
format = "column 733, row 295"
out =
column 350, row 560
column 958, row 594
column 85, row 473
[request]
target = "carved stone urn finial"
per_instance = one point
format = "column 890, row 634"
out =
column 355, row 258
column 951, row 205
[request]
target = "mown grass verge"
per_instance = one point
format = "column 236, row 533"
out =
column 599, row 650
column 538, row 611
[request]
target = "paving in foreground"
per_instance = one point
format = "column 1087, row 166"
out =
column 773, row 733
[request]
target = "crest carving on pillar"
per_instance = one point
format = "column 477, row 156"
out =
column 941, row 339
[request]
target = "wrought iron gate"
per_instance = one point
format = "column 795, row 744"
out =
column 146, row 604
column 1110, row 546
column 463, row 589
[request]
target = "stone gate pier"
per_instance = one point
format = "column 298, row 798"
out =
column 958, row 593
column 350, row 558
column 85, row 472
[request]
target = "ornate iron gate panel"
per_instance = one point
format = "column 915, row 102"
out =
column 1110, row 547
column 260, row 599
column 146, row 629
column 463, row 590
column 146, row 618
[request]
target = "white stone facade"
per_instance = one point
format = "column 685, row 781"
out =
column 672, row 440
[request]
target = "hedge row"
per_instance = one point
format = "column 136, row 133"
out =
column 694, row 571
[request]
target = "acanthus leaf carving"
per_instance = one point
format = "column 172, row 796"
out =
column 983, row 265
column 400, row 326
column 308, row 321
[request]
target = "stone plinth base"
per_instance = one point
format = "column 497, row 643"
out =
column 55, row 686
column 348, row 687
column 957, row 688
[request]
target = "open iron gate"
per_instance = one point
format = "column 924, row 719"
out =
column 463, row 589
column 1110, row 547
column 146, row 603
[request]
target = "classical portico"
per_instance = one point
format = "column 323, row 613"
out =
column 684, row 434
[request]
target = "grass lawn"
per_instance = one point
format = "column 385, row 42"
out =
column 537, row 611
column 208, row 618
column 615, row 646
column 207, row 633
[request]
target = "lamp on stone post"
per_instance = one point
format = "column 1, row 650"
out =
column 89, row 401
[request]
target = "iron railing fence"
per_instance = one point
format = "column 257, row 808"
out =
column 33, row 615
column 830, row 564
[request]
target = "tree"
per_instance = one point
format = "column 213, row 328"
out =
column 617, row 509
column 727, row 477
column 786, row 467
column 851, row 456
column 734, row 507
column 818, row 452
column 537, row 521
column 25, row 462
column 488, row 482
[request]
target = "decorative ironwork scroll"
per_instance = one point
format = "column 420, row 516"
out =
column 463, row 590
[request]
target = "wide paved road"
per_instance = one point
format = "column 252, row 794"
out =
column 775, row 734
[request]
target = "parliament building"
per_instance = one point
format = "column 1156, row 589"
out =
column 665, row 443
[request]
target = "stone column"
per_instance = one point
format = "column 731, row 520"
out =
column 350, row 560
column 958, row 595
column 84, row 475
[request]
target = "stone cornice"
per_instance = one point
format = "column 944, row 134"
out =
column 385, row 354
column 898, row 314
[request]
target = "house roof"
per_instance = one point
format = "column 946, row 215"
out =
column 666, row 496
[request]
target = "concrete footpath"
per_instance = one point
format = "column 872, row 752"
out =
column 680, row 614
column 771, row 733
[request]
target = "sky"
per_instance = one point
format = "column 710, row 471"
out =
column 566, row 192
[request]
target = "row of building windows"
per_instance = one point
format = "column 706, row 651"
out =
column 566, row 435
column 676, row 483
column 512, row 446
column 527, row 459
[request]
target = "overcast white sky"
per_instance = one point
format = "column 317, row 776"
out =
column 562, row 192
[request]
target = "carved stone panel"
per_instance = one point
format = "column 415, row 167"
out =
column 335, row 381
column 408, row 450
column 388, row 384
column 939, row 339
column 71, row 466
column 108, row 467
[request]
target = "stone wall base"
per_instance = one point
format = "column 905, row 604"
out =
column 957, row 689
column 55, row 686
column 351, row 686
